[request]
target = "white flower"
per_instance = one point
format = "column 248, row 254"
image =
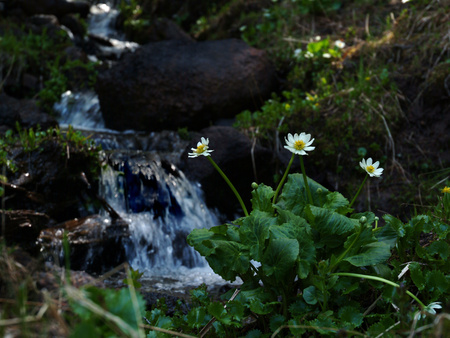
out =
column 317, row 38
column 371, row 168
column 309, row 55
column 431, row 308
column 202, row 149
column 326, row 55
column 299, row 144
column 339, row 44
column 297, row 52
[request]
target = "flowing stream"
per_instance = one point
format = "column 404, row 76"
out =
column 142, row 185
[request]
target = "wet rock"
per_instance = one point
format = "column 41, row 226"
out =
column 26, row 112
column 22, row 227
column 174, row 84
column 232, row 153
column 96, row 244
column 55, row 7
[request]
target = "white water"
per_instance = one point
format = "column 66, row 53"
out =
column 157, row 243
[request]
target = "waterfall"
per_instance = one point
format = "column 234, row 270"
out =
column 161, row 207
column 141, row 183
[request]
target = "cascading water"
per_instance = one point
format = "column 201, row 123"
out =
column 157, row 201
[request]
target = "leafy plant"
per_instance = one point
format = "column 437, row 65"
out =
column 297, row 252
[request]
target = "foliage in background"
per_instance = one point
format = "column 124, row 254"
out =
column 29, row 140
column 24, row 52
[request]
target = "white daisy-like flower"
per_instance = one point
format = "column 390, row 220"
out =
column 299, row 144
column 339, row 44
column 371, row 168
column 309, row 55
column 202, row 149
column 431, row 308
column 326, row 55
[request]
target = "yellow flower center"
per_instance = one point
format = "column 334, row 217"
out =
column 200, row 149
column 299, row 145
column 370, row 169
column 446, row 190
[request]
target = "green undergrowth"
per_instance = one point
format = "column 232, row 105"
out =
column 40, row 55
column 27, row 141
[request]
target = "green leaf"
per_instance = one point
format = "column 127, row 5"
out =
column 293, row 327
column 279, row 258
column 253, row 334
column 262, row 198
column 294, row 196
column 417, row 276
column 262, row 308
column 298, row 308
column 198, row 236
column 276, row 321
column 351, row 315
column 335, row 200
column 310, row 295
column 228, row 259
column 436, row 282
column 330, row 222
column 439, row 247
column 255, row 231
column 197, row 317
column 217, row 310
column 323, row 322
column 371, row 254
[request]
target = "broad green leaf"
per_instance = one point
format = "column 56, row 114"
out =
column 197, row 237
column 436, row 282
column 351, row 315
column 279, row 258
column 335, row 200
column 295, row 327
column 323, row 323
column 262, row 198
column 417, row 276
column 255, row 231
column 286, row 216
column 197, row 317
column 217, row 310
column 298, row 308
column 329, row 222
column 294, row 196
column 262, row 308
column 395, row 224
column 254, row 334
column 228, row 259
column 370, row 254
column 276, row 321
column 310, row 295
column 306, row 257
column 440, row 248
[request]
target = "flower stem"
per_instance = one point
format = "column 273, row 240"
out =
column 359, row 190
column 274, row 200
column 379, row 279
column 229, row 184
column 305, row 180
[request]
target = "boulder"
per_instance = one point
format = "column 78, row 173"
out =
column 96, row 244
column 233, row 154
column 55, row 7
column 174, row 84
column 26, row 112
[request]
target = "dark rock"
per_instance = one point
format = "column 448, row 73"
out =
column 74, row 24
column 173, row 84
column 55, row 7
column 87, row 236
column 165, row 29
column 22, row 227
column 26, row 112
column 232, row 153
